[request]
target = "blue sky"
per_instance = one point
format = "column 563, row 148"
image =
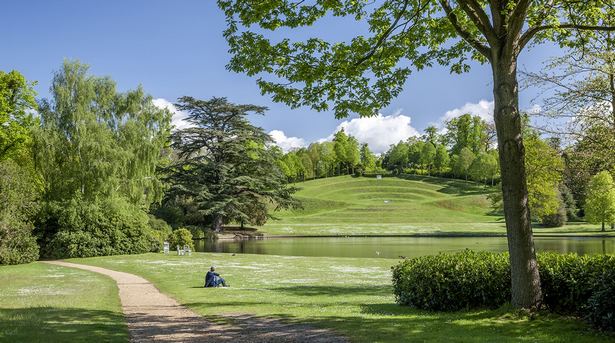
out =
column 176, row 48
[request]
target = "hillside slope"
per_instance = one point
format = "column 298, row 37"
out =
column 361, row 205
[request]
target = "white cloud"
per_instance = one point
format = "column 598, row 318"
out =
column 483, row 109
column 178, row 119
column 379, row 132
column 284, row 142
column 534, row 109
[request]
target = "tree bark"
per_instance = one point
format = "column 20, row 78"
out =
column 525, row 278
column 603, row 229
column 217, row 224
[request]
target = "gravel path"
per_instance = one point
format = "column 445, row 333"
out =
column 155, row 317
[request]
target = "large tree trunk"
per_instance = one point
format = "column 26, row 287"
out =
column 217, row 224
column 526, row 291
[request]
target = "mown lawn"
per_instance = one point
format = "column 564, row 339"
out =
column 347, row 205
column 45, row 303
column 350, row 295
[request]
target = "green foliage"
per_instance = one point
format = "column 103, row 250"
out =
column 97, row 151
column 467, row 131
column 463, row 162
column 96, row 142
column 225, row 171
column 600, row 203
column 16, row 121
column 159, row 234
column 453, row 281
column 484, row 167
column 82, row 228
column 544, row 168
column 18, row 205
column 601, row 305
column 571, row 284
column 181, row 237
column 368, row 160
column 442, row 158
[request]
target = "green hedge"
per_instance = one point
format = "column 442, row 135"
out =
column 77, row 228
column 571, row 284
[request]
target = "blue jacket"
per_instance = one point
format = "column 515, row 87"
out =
column 210, row 277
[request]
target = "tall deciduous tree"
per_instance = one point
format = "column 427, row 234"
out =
column 224, row 164
column 97, row 142
column 19, row 184
column 600, row 206
column 364, row 74
column 368, row 160
column 16, row 121
column 97, row 151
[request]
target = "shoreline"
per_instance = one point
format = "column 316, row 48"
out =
column 423, row 235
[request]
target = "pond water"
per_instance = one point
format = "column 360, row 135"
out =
column 393, row 247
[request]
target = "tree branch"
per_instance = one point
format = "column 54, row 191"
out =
column 385, row 34
column 452, row 17
column 476, row 13
column 531, row 32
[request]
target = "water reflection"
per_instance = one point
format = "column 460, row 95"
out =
column 394, row 247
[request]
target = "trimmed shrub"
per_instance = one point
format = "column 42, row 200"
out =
column 453, row 281
column 571, row 284
column 181, row 237
column 600, row 307
column 568, row 280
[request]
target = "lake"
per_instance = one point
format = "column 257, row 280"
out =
column 393, row 247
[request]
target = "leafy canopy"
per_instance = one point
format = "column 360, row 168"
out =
column 363, row 74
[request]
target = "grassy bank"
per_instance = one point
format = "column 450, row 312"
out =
column 350, row 295
column 414, row 205
column 44, row 303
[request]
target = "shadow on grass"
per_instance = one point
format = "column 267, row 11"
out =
column 389, row 322
column 371, row 290
column 50, row 324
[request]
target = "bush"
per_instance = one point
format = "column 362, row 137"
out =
column 159, row 234
column 181, row 237
column 17, row 245
column 568, row 280
column 601, row 305
column 557, row 219
column 18, row 205
column 571, row 284
column 79, row 228
column 453, row 281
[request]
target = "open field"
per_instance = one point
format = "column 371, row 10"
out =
column 44, row 303
column 350, row 295
column 412, row 205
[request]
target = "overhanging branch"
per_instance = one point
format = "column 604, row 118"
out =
column 531, row 32
column 475, row 43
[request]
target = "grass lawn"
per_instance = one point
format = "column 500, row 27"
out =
column 348, row 205
column 350, row 295
column 44, row 303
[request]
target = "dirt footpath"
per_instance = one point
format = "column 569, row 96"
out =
column 155, row 317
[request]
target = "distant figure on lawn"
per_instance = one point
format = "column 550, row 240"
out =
column 213, row 279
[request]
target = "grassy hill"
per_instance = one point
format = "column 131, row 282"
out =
column 412, row 205
column 362, row 205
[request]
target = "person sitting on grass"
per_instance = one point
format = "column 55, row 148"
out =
column 213, row 279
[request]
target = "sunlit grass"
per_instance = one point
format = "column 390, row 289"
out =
column 45, row 303
column 352, row 296
column 348, row 205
